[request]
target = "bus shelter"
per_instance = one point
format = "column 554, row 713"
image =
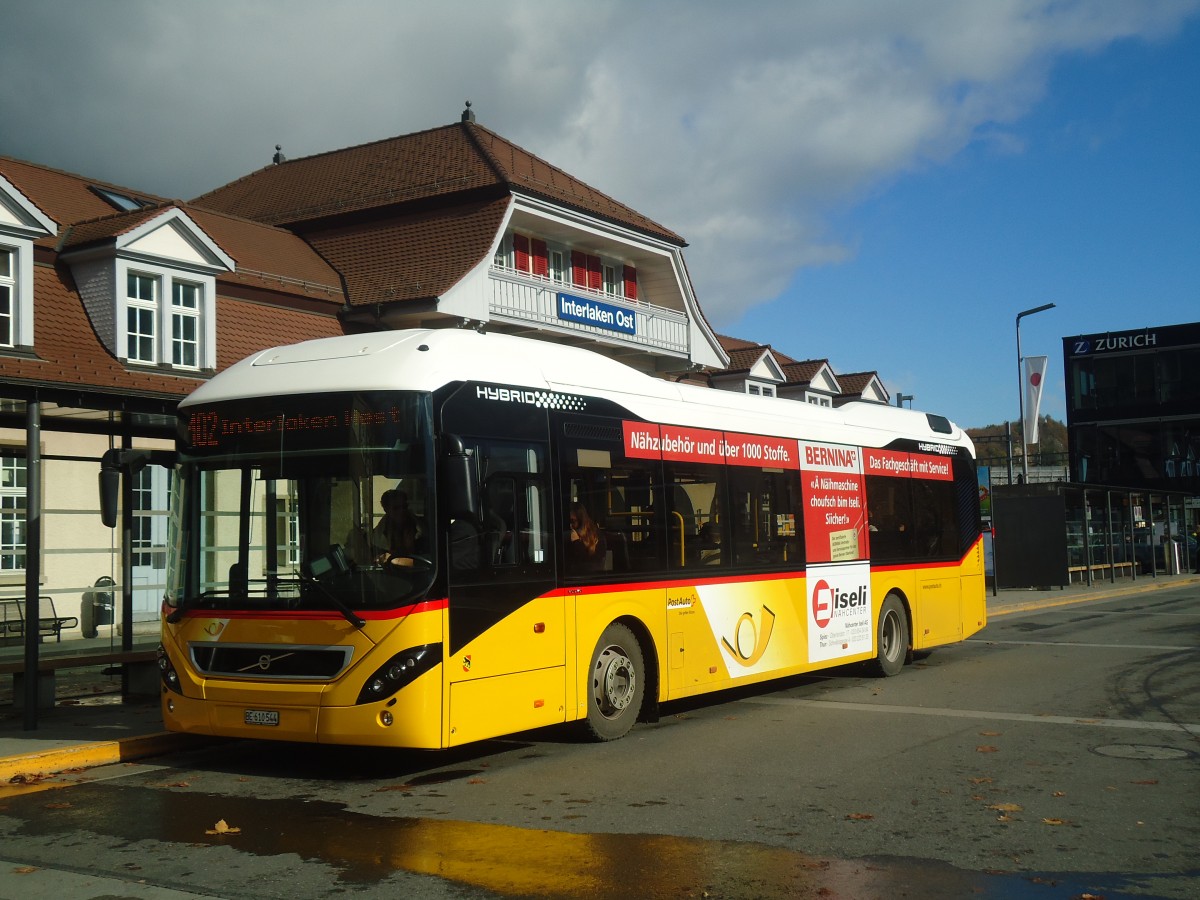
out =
column 1056, row 534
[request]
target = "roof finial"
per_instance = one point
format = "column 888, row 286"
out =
column 467, row 115
column 278, row 157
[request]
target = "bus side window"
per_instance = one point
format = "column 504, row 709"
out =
column 766, row 518
column 694, row 520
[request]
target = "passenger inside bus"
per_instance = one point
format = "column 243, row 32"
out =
column 586, row 548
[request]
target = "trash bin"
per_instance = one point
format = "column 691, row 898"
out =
column 97, row 607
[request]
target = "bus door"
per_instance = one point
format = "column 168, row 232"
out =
column 507, row 626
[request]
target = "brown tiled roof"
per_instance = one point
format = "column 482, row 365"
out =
column 64, row 197
column 70, row 354
column 412, row 257
column 269, row 257
column 803, row 371
column 855, row 382
column 247, row 328
column 428, row 164
column 743, row 360
column 107, row 228
column 265, row 256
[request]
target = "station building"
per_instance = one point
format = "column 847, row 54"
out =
column 116, row 303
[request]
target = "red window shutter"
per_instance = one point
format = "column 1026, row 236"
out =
column 521, row 252
column 541, row 258
column 595, row 276
column 578, row 268
column 630, row 283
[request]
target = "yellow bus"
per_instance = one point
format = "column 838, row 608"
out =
column 430, row 537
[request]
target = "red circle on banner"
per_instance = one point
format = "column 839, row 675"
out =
column 822, row 603
column 1035, row 379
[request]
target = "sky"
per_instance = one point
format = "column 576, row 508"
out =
column 882, row 184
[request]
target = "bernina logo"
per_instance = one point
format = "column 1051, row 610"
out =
column 1083, row 346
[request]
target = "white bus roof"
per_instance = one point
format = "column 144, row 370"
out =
column 426, row 359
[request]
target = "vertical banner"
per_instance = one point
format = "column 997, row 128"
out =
column 1035, row 374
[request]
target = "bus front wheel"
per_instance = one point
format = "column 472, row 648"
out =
column 892, row 637
column 616, row 684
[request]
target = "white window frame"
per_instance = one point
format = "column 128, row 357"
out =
column 167, row 312
column 612, row 283
column 504, row 253
column 14, row 480
column 558, row 262
column 8, row 296
column 184, row 316
column 18, row 284
column 147, row 312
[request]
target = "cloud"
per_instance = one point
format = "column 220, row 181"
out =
column 744, row 127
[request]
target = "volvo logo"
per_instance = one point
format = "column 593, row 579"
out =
column 265, row 661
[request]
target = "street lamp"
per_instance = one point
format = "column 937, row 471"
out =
column 1021, row 388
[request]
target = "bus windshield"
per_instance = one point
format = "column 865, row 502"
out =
column 321, row 501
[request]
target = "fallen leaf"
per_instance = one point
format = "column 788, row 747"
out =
column 223, row 827
column 1003, row 818
column 393, row 787
column 1006, row 807
column 1054, row 821
column 860, row 816
column 987, row 748
column 477, row 781
column 1059, row 794
column 991, row 733
column 25, row 870
column 980, row 780
column 63, row 805
column 1146, row 781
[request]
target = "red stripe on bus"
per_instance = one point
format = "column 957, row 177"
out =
column 373, row 615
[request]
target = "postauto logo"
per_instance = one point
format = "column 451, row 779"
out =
column 829, row 603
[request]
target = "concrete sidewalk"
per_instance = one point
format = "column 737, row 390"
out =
column 95, row 728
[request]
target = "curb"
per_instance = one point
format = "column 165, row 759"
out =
column 34, row 766
column 1109, row 594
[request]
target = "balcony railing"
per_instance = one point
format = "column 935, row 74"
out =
column 522, row 297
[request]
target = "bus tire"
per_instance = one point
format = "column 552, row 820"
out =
column 616, row 684
column 891, row 637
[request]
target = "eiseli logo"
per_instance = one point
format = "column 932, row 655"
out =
column 828, row 603
column 1108, row 343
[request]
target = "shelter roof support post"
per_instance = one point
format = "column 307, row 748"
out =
column 33, row 557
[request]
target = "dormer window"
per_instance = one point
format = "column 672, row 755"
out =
column 185, row 325
column 141, row 318
column 179, row 326
column 8, row 297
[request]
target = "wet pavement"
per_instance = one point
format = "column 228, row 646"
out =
column 91, row 724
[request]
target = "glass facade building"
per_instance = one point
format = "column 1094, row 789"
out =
column 1133, row 408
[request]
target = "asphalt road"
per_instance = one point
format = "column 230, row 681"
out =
column 1056, row 754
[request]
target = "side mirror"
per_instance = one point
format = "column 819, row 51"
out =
column 460, row 482
column 112, row 463
column 110, row 485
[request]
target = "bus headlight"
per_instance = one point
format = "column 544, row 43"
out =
column 166, row 671
column 402, row 669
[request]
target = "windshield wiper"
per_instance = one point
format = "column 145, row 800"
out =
column 350, row 615
column 334, row 565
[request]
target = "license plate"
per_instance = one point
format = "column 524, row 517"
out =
column 262, row 717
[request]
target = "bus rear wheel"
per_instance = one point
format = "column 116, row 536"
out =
column 891, row 637
column 616, row 684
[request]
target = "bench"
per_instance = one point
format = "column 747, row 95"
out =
column 1121, row 568
column 141, row 664
column 53, row 624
